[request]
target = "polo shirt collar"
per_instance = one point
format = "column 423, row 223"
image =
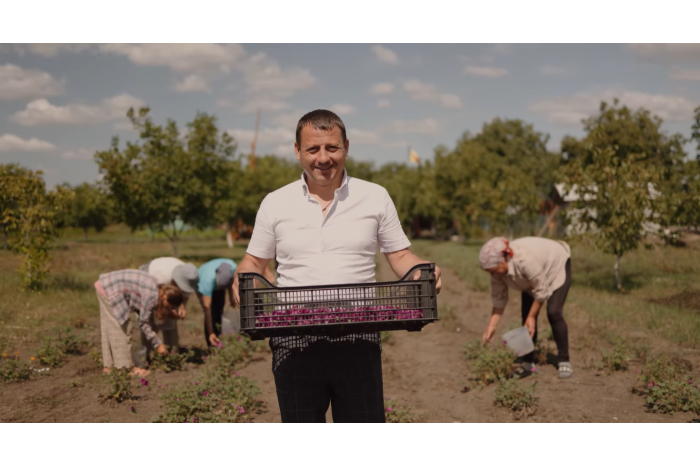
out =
column 305, row 187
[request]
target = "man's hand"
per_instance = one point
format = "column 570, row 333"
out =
column 404, row 260
column 161, row 349
column 249, row 264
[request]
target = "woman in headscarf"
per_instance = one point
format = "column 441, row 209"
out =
column 541, row 270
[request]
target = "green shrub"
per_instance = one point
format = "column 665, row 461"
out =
column 387, row 337
column 15, row 371
column 121, row 386
column 395, row 413
column 175, row 360
column 517, row 397
column 217, row 397
column 55, row 351
column 667, row 386
column 492, row 364
column 616, row 360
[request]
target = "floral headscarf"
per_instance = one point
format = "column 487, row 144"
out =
column 493, row 252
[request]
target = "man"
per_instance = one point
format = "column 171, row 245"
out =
column 169, row 270
column 324, row 229
column 215, row 277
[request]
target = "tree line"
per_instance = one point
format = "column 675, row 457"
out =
column 628, row 176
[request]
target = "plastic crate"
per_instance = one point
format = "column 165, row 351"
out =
column 334, row 310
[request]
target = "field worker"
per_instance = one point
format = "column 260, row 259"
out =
column 324, row 229
column 540, row 268
column 169, row 271
column 215, row 279
column 121, row 293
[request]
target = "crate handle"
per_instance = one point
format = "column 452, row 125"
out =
column 427, row 272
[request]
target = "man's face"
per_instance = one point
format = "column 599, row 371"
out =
column 322, row 154
column 500, row 269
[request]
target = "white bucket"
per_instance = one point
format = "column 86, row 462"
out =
column 230, row 322
column 519, row 341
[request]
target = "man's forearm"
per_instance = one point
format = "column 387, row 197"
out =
column 403, row 261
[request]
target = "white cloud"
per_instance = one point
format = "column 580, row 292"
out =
column 418, row 90
column 21, row 83
column 179, row 57
column 79, row 154
column 192, row 83
column 289, row 119
column 42, row 112
column 384, row 103
column 358, row 136
column 553, row 70
column 342, row 109
column 485, row 71
column 385, row 55
column 50, row 50
column 285, row 150
column 425, row 126
column 268, row 136
column 667, row 53
column 571, row 110
column 382, row 89
column 684, row 75
column 263, row 75
column 265, row 104
column 12, row 143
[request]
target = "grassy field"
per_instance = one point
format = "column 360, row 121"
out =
column 69, row 296
column 663, row 297
column 659, row 315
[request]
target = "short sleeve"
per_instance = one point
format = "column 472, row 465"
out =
column 207, row 280
column 390, row 235
column 263, row 242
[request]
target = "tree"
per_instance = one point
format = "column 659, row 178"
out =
column 476, row 189
column 616, row 199
column 637, row 134
column 520, row 146
column 89, row 208
column 166, row 177
column 32, row 214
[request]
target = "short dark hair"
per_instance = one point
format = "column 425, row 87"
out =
column 325, row 120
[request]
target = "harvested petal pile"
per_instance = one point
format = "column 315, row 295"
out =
column 304, row 316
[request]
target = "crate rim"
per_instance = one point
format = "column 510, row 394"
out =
column 429, row 266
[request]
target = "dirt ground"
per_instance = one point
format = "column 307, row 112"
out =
column 424, row 370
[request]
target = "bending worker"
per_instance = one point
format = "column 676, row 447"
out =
column 540, row 269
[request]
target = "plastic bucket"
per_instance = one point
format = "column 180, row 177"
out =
column 230, row 323
column 519, row 341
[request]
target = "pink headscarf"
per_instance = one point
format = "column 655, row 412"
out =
column 493, row 252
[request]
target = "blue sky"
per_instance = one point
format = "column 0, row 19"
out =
column 60, row 103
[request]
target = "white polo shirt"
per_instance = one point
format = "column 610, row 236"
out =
column 340, row 248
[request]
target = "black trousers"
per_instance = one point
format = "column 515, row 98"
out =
column 555, row 314
column 218, row 302
column 346, row 375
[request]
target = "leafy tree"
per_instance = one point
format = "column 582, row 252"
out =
column 520, row 146
column 635, row 133
column 32, row 214
column 616, row 201
column 89, row 208
column 165, row 176
column 247, row 187
column 475, row 187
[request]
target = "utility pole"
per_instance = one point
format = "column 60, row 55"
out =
column 255, row 139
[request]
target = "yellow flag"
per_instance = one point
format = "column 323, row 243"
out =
column 413, row 157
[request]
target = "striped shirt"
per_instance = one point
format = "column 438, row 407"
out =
column 133, row 290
